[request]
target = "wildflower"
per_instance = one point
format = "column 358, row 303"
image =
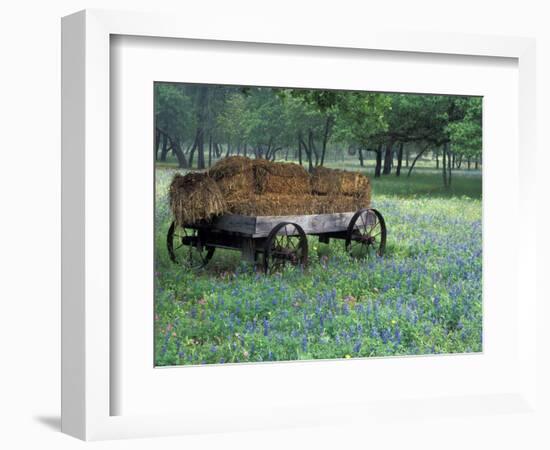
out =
column 397, row 336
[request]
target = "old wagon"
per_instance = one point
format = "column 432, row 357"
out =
column 273, row 241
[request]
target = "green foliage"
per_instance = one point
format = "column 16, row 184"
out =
column 174, row 110
column 466, row 134
column 361, row 117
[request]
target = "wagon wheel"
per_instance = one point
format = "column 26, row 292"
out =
column 286, row 242
column 185, row 244
column 366, row 234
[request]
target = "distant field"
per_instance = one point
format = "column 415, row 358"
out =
column 423, row 297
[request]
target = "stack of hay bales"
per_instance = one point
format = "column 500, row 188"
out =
column 257, row 187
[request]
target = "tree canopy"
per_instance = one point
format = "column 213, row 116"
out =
column 192, row 119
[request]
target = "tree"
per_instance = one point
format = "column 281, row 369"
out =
column 173, row 120
column 466, row 134
column 361, row 121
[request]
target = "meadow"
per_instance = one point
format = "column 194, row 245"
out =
column 423, row 297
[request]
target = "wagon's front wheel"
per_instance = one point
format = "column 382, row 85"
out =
column 366, row 234
column 286, row 243
column 186, row 245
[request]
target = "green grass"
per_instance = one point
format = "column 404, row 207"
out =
column 427, row 185
column 423, row 297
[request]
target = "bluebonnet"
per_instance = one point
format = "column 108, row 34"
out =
column 304, row 343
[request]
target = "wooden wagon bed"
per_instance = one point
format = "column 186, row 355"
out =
column 261, row 226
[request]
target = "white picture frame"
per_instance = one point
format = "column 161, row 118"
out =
column 87, row 326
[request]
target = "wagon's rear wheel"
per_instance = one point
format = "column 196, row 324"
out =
column 366, row 234
column 286, row 243
column 186, row 245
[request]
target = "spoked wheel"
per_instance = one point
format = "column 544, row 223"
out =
column 185, row 245
column 286, row 244
column 366, row 234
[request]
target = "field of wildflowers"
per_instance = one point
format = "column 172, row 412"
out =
column 423, row 297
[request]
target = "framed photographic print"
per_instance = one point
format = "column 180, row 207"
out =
column 279, row 242
column 268, row 247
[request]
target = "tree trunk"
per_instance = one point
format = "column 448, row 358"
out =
column 164, row 151
column 210, row 151
column 388, row 158
column 192, row 152
column 407, row 156
column 202, row 124
column 245, row 149
column 361, row 159
column 328, row 126
column 378, row 166
column 312, row 150
column 444, row 165
column 308, row 154
column 416, row 158
column 451, row 159
column 437, row 160
column 469, row 161
column 399, row 160
column 157, row 143
column 459, row 162
column 182, row 162
column 200, row 149
column 476, row 164
column 299, row 151
column 218, row 148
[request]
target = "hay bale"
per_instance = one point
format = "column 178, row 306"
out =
column 280, row 178
column 290, row 205
column 230, row 166
column 234, row 176
column 241, row 176
column 326, row 181
column 195, row 197
column 330, row 204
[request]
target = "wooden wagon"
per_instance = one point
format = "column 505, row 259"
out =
column 273, row 241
